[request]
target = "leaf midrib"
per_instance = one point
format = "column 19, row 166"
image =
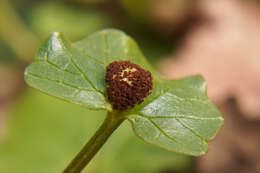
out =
column 82, row 74
column 164, row 133
column 179, row 116
column 60, row 82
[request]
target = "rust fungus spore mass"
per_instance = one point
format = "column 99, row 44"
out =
column 128, row 84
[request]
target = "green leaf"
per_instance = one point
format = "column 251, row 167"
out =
column 177, row 116
column 62, row 71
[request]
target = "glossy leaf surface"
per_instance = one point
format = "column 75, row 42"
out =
column 177, row 116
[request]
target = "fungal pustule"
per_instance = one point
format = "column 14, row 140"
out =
column 128, row 84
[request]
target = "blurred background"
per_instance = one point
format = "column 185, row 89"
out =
column 219, row 39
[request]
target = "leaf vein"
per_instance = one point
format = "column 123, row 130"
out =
column 84, row 75
column 181, row 117
column 187, row 99
column 155, row 97
column 190, row 129
column 93, row 58
column 60, row 82
column 56, row 66
column 163, row 132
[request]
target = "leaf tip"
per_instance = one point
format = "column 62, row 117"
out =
column 56, row 34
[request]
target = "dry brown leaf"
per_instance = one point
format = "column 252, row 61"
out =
column 225, row 49
column 168, row 16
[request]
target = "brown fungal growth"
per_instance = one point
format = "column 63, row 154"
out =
column 128, row 84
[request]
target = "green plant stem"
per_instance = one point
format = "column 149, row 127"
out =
column 110, row 124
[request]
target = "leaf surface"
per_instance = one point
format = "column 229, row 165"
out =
column 177, row 116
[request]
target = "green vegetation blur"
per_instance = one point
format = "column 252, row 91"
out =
column 42, row 134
